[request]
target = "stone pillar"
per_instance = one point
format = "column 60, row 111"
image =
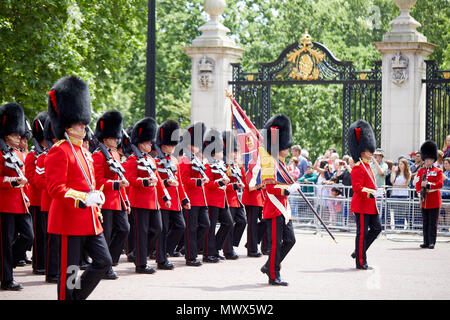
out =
column 212, row 54
column 404, row 50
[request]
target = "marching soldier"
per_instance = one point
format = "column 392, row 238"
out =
column 235, row 206
column 51, row 240
column 276, row 209
column 253, row 200
column 194, row 178
column 172, row 217
column 14, row 214
column 145, row 185
column 39, row 226
column 216, row 197
column 362, row 144
column 115, row 224
column 74, row 212
column 429, row 181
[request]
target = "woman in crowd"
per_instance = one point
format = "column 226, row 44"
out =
column 400, row 178
column 445, row 193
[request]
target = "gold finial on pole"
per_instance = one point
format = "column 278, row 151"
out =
column 228, row 94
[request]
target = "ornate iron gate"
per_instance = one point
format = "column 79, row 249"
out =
column 437, row 82
column 311, row 62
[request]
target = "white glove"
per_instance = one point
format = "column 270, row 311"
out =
column 293, row 188
column 95, row 199
column 380, row 193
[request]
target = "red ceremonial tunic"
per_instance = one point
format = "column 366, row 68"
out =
column 141, row 196
column 34, row 193
column 12, row 199
column 215, row 191
column 270, row 210
column 177, row 194
column 41, row 183
column 435, row 178
column 115, row 198
column 190, row 178
column 231, row 192
column 363, row 202
column 251, row 198
column 67, row 185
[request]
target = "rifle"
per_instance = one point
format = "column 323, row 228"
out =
column 168, row 168
column 12, row 161
column 236, row 173
column 141, row 160
column 423, row 190
column 113, row 164
column 197, row 165
column 219, row 168
column 37, row 146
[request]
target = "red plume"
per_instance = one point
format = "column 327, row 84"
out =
column 53, row 100
column 101, row 125
column 161, row 130
column 4, row 119
column 140, row 131
column 358, row 134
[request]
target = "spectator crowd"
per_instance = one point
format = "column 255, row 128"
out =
column 330, row 177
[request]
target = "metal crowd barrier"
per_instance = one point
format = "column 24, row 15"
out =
column 400, row 212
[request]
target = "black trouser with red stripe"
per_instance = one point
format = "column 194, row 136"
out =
column 197, row 225
column 40, row 234
column 12, row 251
column 214, row 241
column 429, row 221
column 256, row 229
column 173, row 227
column 52, row 249
column 234, row 236
column 281, row 240
column 115, row 228
column 148, row 227
column 70, row 254
column 368, row 227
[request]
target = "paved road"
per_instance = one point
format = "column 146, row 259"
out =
column 316, row 268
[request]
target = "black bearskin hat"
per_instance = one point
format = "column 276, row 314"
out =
column 48, row 133
column 69, row 103
column 12, row 119
column 38, row 125
column 126, row 143
column 144, row 130
column 229, row 144
column 195, row 134
column 360, row 137
column 278, row 133
column 109, row 125
column 213, row 139
column 429, row 150
column 165, row 132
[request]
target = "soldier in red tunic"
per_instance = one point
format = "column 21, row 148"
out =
column 362, row 144
column 39, row 225
column 51, row 240
column 69, row 173
column 276, row 209
column 429, row 181
column 14, row 214
column 194, row 180
column 234, row 172
column 115, row 224
column 167, row 137
column 218, row 210
column 145, row 188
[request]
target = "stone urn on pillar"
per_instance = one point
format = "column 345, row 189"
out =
column 212, row 54
column 404, row 50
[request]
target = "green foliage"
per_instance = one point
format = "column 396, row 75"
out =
column 104, row 42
